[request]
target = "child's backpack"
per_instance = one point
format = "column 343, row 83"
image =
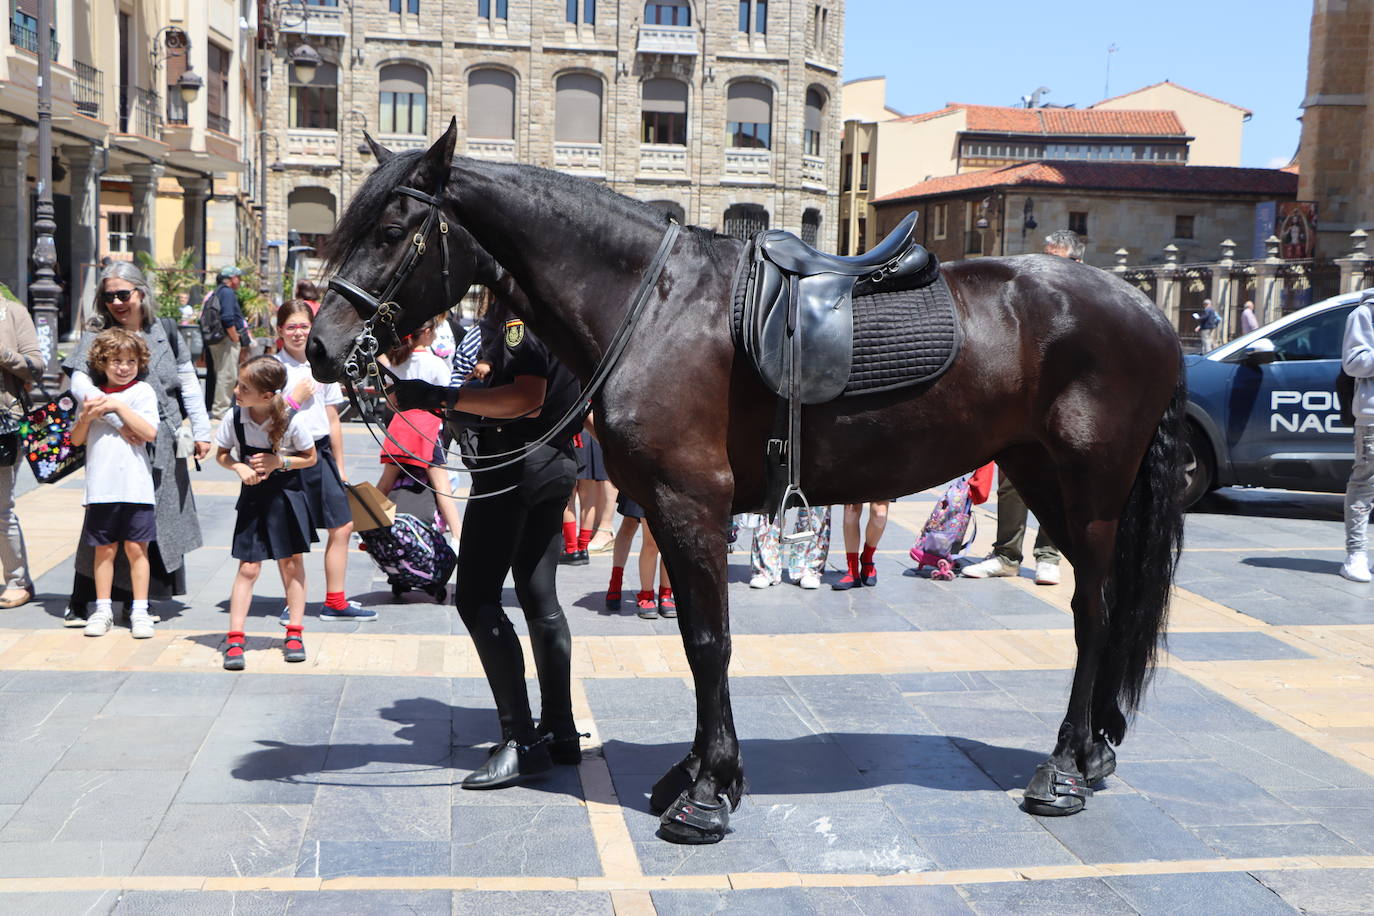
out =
column 414, row 556
column 947, row 532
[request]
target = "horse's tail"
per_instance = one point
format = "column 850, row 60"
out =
column 1149, row 539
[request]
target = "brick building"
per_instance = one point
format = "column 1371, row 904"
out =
column 725, row 114
column 1137, row 206
column 1336, row 153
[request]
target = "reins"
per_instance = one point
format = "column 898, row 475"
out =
column 361, row 362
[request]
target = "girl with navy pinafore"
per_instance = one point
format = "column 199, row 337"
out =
column 267, row 448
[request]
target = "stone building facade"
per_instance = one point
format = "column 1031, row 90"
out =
column 704, row 108
column 1336, row 153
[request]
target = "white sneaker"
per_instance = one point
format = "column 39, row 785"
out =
column 141, row 625
column 1356, row 567
column 99, row 623
column 1046, row 573
column 809, row 580
column 762, row 580
column 993, row 567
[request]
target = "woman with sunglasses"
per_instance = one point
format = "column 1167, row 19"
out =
column 124, row 300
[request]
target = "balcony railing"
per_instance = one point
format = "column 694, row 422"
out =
column 813, row 170
column 663, row 161
column 578, row 157
column 398, row 142
column 495, row 150
column 217, row 122
column 88, row 91
column 324, row 20
column 140, row 112
column 21, row 36
column 306, row 141
column 749, row 165
column 667, row 39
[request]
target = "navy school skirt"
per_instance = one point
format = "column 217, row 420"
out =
column 325, row 496
column 273, row 520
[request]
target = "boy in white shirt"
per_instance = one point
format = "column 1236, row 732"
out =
column 119, row 477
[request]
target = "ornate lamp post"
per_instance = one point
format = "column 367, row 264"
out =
column 44, row 290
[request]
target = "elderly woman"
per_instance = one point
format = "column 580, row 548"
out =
column 124, row 300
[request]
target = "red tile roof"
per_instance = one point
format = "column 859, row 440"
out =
column 1061, row 121
column 1114, row 176
column 1210, row 98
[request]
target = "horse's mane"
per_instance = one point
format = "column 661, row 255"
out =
column 372, row 197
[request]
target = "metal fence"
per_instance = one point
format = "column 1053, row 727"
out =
column 88, row 92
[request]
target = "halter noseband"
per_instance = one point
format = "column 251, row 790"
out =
column 361, row 361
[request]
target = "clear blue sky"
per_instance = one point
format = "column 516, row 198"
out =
column 1252, row 53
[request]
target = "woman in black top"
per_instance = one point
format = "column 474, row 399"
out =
column 519, row 531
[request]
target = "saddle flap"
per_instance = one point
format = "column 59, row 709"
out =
column 825, row 324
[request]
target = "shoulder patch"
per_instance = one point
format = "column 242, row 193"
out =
column 514, row 333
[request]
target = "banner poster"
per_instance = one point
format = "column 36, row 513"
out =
column 1266, row 221
column 1297, row 229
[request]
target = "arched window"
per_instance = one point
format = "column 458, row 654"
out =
column 811, row 226
column 749, row 113
column 577, row 108
column 310, row 212
column 315, row 103
column 815, row 119
column 744, row 221
column 664, row 105
column 491, row 105
column 401, row 100
column 667, row 12
column 672, row 208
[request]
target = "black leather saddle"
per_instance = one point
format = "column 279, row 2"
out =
column 792, row 300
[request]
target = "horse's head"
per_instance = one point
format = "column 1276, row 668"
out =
column 398, row 258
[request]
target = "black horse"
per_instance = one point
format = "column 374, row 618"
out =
column 1067, row 376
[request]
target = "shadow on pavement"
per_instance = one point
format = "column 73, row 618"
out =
column 1260, row 503
column 1297, row 564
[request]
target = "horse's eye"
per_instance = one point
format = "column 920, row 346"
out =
column 394, row 233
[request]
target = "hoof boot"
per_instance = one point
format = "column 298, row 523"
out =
column 1100, row 764
column 671, row 785
column 695, row 823
column 1055, row 793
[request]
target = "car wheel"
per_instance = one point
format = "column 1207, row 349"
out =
column 1199, row 466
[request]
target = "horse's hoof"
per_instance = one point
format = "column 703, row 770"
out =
column 1055, row 793
column 1100, row 764
column 670, row 786
column 695, row 823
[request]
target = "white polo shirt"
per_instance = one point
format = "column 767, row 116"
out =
column 313, row 417
column 118, row 471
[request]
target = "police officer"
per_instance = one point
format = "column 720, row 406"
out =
column 519, row 530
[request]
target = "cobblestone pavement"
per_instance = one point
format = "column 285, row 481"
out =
column 887, row 733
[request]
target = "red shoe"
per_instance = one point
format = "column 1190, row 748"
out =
column 648, row 607
column 846, row 582
column 868, row 575
column 667, row 606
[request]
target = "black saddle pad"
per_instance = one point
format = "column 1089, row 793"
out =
column 903, row 338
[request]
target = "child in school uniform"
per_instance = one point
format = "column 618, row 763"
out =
column 119, row 475
column 267, row 448
column 316, row 408
column 648, row 607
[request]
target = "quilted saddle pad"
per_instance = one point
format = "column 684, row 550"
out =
column 903, row 338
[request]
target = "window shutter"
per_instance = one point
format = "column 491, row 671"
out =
column 403, row 78
column 491, row 105
column 750, row 103
column 310, row 211
column 577, row 109
column 815, row 110
column 664, row 95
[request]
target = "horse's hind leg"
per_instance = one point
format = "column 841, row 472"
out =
column 698, row 793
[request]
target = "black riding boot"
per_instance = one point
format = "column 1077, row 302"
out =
column 551, row 645
column 521, row 752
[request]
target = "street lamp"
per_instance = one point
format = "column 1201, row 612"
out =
column 178, row 44
column 44, row 289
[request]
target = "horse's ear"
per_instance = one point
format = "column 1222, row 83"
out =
column 381, row 152
column 439, row 157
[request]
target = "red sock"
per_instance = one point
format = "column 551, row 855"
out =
column 665, row 591
column 234, row 651
column 294, row 632
column 617, row 578
column 335, row 601
column 569, row 537
column 584, row 537
column 851, row 560
column 866, row 558
column 644, row 599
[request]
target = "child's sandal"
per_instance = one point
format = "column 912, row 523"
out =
column 233, row 652
column 648, row 607
column 293, row 647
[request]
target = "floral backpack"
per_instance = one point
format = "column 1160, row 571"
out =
column 947, row 532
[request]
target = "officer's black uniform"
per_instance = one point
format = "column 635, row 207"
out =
column 521, row 531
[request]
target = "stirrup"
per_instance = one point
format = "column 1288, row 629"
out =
column 807, row 534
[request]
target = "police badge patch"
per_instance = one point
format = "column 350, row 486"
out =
column 515, row 333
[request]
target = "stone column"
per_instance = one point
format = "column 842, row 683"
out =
column 1166, row 284
column 16, row 222
column 83, row 162
column 1354, row 266
column 1267, row 283
column 195, row 192
column 1223, row 290
column 144, row 193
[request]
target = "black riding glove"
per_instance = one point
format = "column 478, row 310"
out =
column 415, row 394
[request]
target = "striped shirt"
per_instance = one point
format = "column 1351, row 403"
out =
column 466, row 355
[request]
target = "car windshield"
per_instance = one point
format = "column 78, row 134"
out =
column 1316, row 337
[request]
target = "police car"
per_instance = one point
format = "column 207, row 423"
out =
column 1263, row 411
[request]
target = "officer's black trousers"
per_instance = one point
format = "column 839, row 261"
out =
column 519, row 532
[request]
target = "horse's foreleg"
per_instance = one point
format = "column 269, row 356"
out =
column 698, row 793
